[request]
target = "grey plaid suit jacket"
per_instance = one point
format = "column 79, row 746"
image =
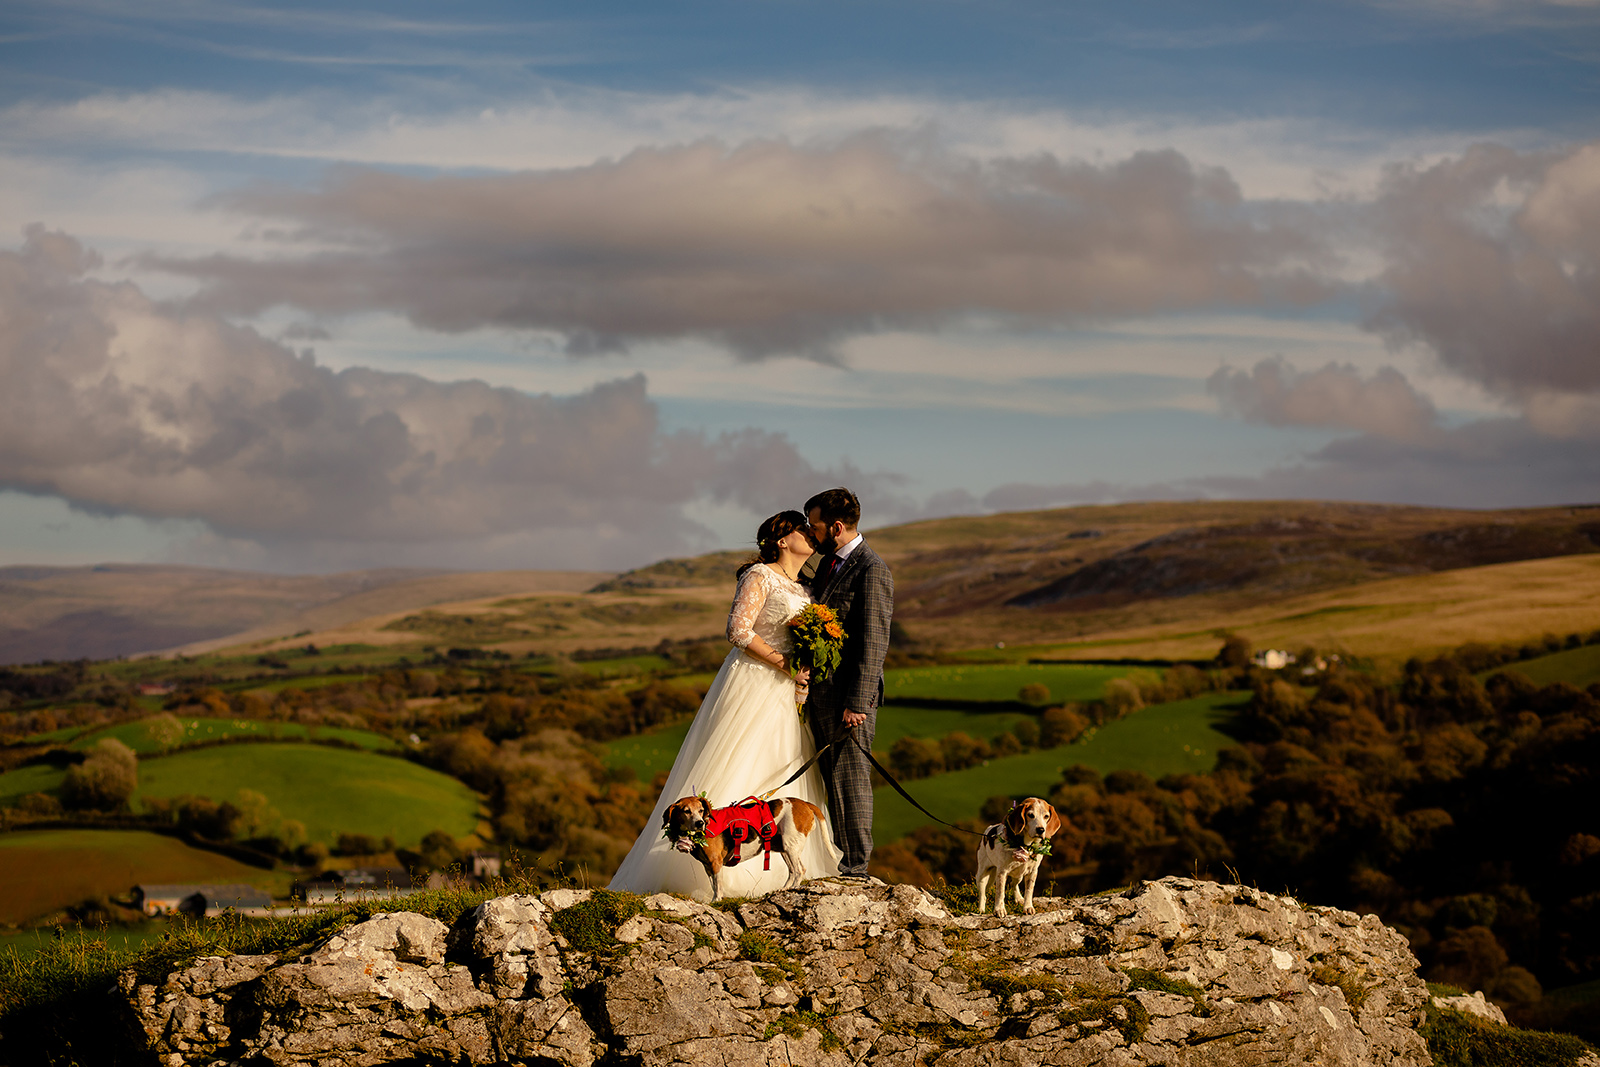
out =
column 861, row 593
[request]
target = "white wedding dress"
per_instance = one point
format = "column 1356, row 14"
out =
column 746, row 738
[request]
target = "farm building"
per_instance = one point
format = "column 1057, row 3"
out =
column 353, row 883
column 483, row 864
column 187, row 899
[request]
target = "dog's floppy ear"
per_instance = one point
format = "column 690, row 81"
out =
column 1014, row 819
column 666, row 816
column 1053, row 826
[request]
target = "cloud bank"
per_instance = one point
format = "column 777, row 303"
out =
column 767, row 248
column 123, row 405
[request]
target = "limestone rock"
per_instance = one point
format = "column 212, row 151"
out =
column 1473, row 1004
column 1175, row 972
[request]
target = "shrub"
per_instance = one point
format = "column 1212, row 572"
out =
column 1060, row 726
column 915, row 757
column 105, row 780
column 1034, row 693
column 1027, row 734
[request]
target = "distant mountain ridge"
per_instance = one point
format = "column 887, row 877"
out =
column 961, row 582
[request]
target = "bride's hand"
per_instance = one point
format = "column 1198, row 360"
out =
column 802, row 677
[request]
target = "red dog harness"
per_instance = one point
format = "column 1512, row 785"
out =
column 745, row 821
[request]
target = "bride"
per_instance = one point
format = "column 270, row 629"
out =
column 747, row 736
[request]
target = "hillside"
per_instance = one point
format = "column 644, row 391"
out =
column 110, row 610
column 1099, row 577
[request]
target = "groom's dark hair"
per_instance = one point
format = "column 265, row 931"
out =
column 837, row 505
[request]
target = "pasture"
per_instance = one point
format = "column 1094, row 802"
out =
column 330, row 790
column 38, row 778
column 1575, row 666
column 43, row 871
column 1159, row 740
column 1002, row 681
column 651, row 752
column 147, row 735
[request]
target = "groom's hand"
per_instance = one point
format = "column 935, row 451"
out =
column 853, row 719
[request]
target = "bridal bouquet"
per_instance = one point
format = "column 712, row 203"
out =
column 818, row 642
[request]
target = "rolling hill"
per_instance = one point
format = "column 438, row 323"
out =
column 1084, row 582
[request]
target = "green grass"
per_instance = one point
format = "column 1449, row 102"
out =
column 139, row 735
column 624, row 666
column 42, row 871
column 1575, row 666
column 654, row 751
column 330, row 790
column 1066, row 682
column 897, row 722
column 647, row 753
column 305, row 681
column 39, row 778
column 1158, row 740
column 120, row 939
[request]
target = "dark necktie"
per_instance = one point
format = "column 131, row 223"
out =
column 833, row 568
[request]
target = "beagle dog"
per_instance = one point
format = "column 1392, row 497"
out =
column 1016, row 847
column 725, row 837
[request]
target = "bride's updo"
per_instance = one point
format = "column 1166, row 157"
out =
column 771, row 532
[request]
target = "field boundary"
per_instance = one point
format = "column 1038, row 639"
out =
column 242, row 853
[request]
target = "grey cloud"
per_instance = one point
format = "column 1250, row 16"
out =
column 1336, row 395
column 1494, row 262
column 767, row 247
column 120, row 404
column 1491, row 463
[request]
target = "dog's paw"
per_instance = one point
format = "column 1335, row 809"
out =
column 1027, row 909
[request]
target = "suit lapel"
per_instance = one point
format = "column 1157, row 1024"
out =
column 850, row 563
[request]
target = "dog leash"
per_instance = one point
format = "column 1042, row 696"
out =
column 880, row 768
column 898, row 788
column 804, row 767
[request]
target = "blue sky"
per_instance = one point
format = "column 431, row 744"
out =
column 702, row 259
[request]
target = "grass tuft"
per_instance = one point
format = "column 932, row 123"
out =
column 1347, row 982
column 794, row 1024
column 1456, row 1039
column 591, row 925
column 1160, row 983
column 758, row 947
column 1097, row 1006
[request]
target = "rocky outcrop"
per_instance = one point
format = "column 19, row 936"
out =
column 1170, row 972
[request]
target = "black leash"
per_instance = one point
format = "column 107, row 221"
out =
column 804, row 767
column 898, row 788
column 880, row 768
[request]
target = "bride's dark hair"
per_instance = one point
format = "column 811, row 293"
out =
column 772, row 531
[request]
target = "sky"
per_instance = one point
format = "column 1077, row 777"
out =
column 317, row 287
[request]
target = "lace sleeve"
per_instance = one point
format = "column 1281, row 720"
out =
column 747, row 605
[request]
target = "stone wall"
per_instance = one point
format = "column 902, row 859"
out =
column 1170, row 972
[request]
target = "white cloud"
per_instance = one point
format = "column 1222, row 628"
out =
column 121, row 405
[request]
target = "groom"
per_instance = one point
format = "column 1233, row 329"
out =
column 853, row 581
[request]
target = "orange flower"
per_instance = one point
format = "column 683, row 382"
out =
column 834, row 631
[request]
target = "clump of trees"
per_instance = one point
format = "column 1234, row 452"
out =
column 105, row 780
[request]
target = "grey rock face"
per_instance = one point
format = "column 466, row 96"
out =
column 1174, row 972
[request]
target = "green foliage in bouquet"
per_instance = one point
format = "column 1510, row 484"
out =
column 818, row 639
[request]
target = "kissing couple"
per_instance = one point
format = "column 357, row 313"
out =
column 746, row 738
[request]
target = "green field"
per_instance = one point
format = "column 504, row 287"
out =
column 1575, row 666
column 330, row 790
column 142, row 735
column 654, row 751
column 39, row 778
column 987, row 681
column 42, row 871
column 1158, row 740
column 27, row 943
